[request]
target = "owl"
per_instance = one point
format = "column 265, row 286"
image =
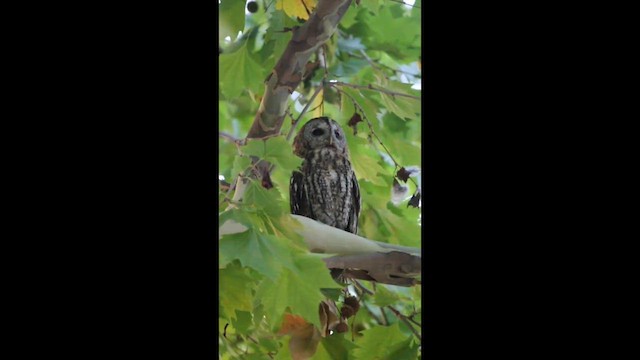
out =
column 325, row 189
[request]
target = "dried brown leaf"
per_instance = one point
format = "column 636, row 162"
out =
column 415, row 200
column 353, row 122
column 304, row 336
column 403, row 174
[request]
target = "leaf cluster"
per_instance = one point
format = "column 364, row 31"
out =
column 266, row 271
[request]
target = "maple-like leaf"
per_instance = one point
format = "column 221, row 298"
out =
column 297, row 8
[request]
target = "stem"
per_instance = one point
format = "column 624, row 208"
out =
column 231, row 138
column 362, row 288
column 370, row 87
column 366, row 57
column 384, row 316
column 374, row 316
column 404, row 319
column 357, row 105
column 295, row 123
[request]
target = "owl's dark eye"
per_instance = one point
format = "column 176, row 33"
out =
column 337, row 134
column 317, row 132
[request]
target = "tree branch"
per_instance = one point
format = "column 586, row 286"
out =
column 373, row 133
column 370, row 87
column 295, row 122
column 360, row 258
column 288, row 72
column 405, row 320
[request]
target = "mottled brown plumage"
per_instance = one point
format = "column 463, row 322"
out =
column 325, row 189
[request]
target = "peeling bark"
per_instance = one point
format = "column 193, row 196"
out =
column 359, row 257
column 288, row 72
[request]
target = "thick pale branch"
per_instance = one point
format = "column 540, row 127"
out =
column 322, row 238
column 288, row 72
column 359, row 257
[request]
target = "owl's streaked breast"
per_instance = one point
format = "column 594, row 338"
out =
column 328, row 182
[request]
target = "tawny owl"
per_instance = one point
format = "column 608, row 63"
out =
column 325, row 189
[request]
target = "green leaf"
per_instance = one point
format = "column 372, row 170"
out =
column 238, row 71
column 333, row 294
column 275, row 150
column 268, row 201
column 349, row 67
column 264, row 253
column 371, row 5
column 241, row 216
column 240, row 164
column 335, row 347
column 382, row 32
column 379, row 342
column 406, row 350
column 384, row 297
column 365, row 161
column 402, row 106
column 235, row 290
column 243, row 319
column 367, row 168
column 231, row 18
column 403, row 231
column 283, row 353
column 395, row 124
column 349, row 17
column 297, row 289
column 276, row 35
column 405, row 152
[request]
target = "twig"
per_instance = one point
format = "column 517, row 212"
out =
column 231, row 138
column 357, row 105
column 410, row 318
column 361, row 287
column 370, row 87
column 323, row 51
column 384, row 316
column 267, row 7
column 252, row 339
column 366, row 57
column 374, row 316
column 295, row 123
column 404, row 319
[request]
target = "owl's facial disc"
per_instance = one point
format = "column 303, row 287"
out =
column 320, row 133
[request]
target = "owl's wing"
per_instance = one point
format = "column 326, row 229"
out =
column 354, row 212
column 297, row 196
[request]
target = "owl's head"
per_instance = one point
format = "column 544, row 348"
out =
column 320, row 133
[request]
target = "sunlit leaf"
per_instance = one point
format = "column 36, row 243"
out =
column 296, row 8
column 385, row 297
column 264, row 253
column 237, row 290
column 231, row 18
column 238, row 71
column 371, row 5
column 297, row 289
column 335, row 347
column 381, row 341
column 276, row 150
